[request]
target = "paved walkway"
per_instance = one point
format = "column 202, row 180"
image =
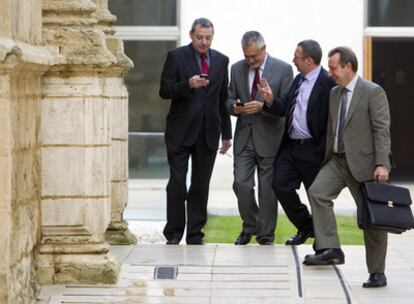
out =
column 236, row 274
column 244, row 274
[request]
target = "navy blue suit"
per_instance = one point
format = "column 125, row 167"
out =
column 196, row 119
column 300, row 162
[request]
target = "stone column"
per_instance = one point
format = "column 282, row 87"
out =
column 22, row 63
column 20, row 93
column 117, row 232
column 75, row 143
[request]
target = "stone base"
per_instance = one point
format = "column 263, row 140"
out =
column 118, row 234
column 70, row 268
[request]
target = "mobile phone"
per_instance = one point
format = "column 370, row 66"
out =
column 205, row 76
column 239, row 104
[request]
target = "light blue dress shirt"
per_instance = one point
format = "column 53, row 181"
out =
column 300, row 128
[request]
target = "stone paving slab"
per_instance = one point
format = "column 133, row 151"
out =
column 245, row 274
column 206, row 274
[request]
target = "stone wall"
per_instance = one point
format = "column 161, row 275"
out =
column 63, row 167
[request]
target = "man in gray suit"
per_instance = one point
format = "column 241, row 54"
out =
column 257, row 136
column 358, row 149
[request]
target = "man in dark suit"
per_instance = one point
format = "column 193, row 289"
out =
column 358, row 149
column 195, row 78
column 257, row 136
column 299, row 160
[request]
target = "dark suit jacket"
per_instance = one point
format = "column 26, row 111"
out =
column 317, row 112
column 191, row 108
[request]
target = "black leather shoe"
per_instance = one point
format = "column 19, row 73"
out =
column 243, row 239
column 195, row 242
column 375, row 280
column 299, row 238
column 265, row 242
column 173, row 241
column 328, row 256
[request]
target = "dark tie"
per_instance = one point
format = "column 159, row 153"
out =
column 293, row 103
column 342, row 119
column 256, row 82
column 204, row 64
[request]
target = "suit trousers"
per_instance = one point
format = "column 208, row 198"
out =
column 295, row 163
column 202, row 162
column 259, row 219
column 332, row 178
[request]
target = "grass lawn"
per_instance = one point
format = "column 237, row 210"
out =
column 225, row 229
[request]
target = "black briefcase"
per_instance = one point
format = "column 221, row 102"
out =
column 385, row 207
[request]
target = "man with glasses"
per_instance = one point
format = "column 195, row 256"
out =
column 257, row 136
column 305, row 108
column 195, row 78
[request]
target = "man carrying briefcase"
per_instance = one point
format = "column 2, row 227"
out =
column 357, row 150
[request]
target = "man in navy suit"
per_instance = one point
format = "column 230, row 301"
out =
column 305, row 108
column 195, row 78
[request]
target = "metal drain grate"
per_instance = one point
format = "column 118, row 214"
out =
column 165, row 273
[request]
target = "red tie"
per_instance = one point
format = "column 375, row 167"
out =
column 256, row 81
column 204, row 64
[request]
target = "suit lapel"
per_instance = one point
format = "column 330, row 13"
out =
column 244, row 80
column 214, row 65
column 356, row 97
column 268, row 72
column 313, row 100
column 192, row 61
column 268, row 69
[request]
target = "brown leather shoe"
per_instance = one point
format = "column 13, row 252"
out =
column 375, row 279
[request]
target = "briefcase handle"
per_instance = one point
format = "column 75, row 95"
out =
column 377, row 181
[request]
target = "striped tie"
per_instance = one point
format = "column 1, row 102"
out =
column 293, row 103
column 342, row 119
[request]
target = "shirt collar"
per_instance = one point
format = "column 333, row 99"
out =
column 312, row 75
column 351, row 85
column 198, row 55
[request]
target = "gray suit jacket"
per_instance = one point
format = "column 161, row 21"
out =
column 367, row 129
column 266, row 129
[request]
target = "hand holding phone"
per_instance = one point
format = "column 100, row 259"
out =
column 238, row 107
column 198, row 81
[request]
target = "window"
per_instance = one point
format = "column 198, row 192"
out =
column 149, row 30
column 390, row 13
column 144, row 12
